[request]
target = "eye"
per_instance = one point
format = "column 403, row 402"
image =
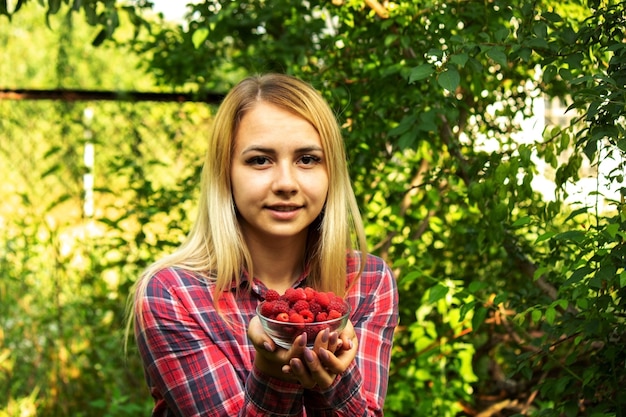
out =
column 258, row 160
column 309, row 160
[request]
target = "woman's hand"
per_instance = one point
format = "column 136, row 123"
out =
column 330, row 356
column 270, row 358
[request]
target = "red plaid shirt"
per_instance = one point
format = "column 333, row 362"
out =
column 200, row 363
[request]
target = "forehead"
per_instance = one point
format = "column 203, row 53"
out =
column 268, row 123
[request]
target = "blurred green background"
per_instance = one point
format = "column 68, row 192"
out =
column 501, row 213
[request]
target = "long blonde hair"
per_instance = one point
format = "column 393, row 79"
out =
column 215, row 247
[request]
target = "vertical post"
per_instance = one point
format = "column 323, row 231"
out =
column 89, row 159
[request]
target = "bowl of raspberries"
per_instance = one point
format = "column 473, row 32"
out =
column 301, row 310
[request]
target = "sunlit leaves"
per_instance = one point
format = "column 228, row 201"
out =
column 449, row 79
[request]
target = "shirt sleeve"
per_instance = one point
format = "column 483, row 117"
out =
column 362, row 388
column 191, row 374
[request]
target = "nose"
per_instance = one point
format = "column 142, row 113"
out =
column 285, row 179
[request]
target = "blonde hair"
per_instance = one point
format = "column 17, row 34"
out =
column 215, row 247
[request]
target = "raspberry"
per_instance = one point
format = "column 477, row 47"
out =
column 281, row 306
column 301, row 305
column 333, row 314
column 295, row 294
column 267, row 308
column 282, row 317
column 271, row 295
column 308, row 316
column 312, row 331
column 337, row 304
column 322, row 299
column 321, row 316
column 296, row 318
column 315, row 307
column 310, row 293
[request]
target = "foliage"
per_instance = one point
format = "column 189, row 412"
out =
column 66, row 274
column 512, row 298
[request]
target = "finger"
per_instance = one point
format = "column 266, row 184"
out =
column 340, row 360
column 321, row 340
column 348, row 337
column 260, row 340
column 299, row 346
column 318, row 373
column 334, row 342
column 300, row 373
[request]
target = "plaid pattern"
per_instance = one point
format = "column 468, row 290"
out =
column 200, row 363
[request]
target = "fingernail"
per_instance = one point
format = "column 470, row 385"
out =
column 268, row 347
column 325, row 336
column 350, row 344
column 333, row 338
column 302, row 341
column 308, row 355
column 323, row 354
column 295, row 364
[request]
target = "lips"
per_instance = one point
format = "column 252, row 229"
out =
column 284, row 208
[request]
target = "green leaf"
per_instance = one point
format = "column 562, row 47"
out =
column 436, row 293
column 199, row 36
column 498, row 55
column 544, row 236
column 405, row 125
column 550, row 314
column 475, row 286
column 522, row 221
column 571, row 235
column 479, row 317
column 573, row 214
column 420, row 72
column 410, row 277
column 54, row 6
column 466, row 308
column 459, row 59
column 100, row 38
column 501, row 34
column 578, row 274
column 449, row 79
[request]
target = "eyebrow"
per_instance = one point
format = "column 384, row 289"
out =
column 272, row 151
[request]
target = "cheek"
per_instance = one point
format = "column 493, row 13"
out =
column 246, row 188
column 319, row 188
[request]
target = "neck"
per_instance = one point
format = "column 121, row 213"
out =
column 278, row 264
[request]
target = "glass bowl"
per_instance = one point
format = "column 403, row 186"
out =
column 284, row 333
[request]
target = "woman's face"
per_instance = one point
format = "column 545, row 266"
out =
column 278, row 173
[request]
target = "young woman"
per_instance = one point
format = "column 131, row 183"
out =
column 277, row 211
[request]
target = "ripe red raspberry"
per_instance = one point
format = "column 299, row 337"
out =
column 295, row 294
column 322, row 299
column 333, row 314
column 300, row 305
column 310, row 293
column 312, row 331
column 281, row 306
column 321, row 316
column 267, row 308
column 271, row 295
column 314, row 307
column 282, row 317
column 337, row 304
column 296, row 318
column 308, row 316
